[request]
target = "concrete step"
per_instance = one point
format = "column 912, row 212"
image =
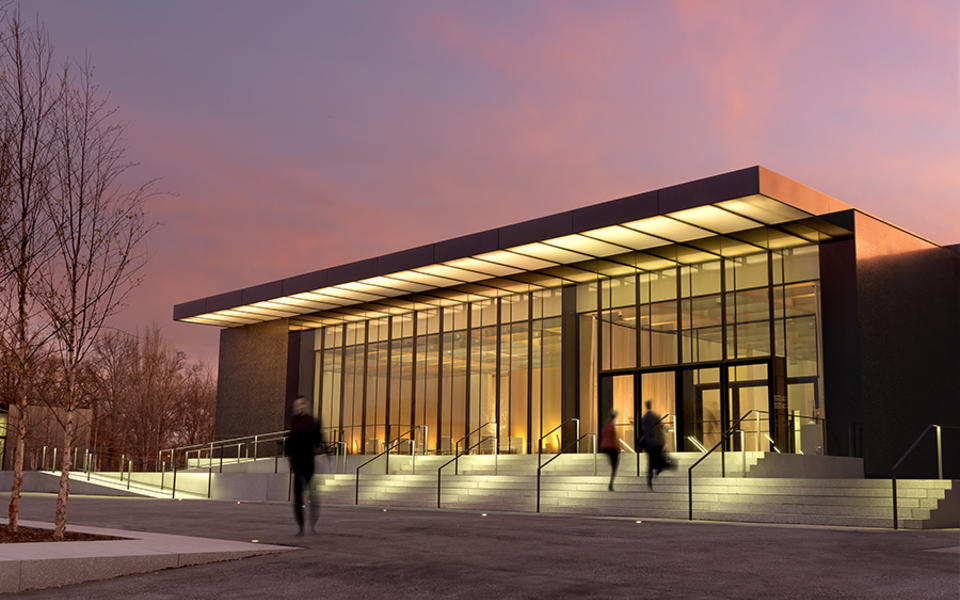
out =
column 827, row 501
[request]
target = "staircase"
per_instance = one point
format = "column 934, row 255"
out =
column 569, row 486
column 758, row 487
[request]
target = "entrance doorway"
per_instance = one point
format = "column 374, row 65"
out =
column 617, row 392
column 700, row 403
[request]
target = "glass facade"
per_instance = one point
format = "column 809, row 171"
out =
column 707, row 337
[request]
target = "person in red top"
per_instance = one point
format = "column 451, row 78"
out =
column 610, row 446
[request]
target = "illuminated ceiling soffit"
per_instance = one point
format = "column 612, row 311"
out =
column 554, row 260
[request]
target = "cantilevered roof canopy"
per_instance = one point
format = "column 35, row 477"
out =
column 726, row 215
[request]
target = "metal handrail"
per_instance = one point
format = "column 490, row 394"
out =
column 456, row 461
column 627, row 446
column 559, row 453
column 547, row 434
column 893, row 471
column 393, row 444
column 456, row 447
column 723, row 469
column 246, row 439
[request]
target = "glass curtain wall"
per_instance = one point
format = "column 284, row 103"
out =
column 489, row 368
column 750, row 307
column 489, row 371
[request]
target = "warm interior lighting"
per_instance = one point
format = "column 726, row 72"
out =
column 513, row 259
column 763, row 208
column 553, row 254
column 714, row 219
column 668, row 229
column 488, row 268
column 624, row 236
column 586, row 245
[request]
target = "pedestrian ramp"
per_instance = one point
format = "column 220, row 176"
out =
column 150, row 485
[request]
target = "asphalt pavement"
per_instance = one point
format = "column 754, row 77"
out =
column 371, row 553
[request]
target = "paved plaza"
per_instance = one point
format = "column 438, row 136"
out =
column 368, row 553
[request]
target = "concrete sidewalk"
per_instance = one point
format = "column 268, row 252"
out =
column 37, row 565
column 367, row 553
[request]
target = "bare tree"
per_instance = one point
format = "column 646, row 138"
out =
column 99, row 227
column 149, row 396
column 29, row 96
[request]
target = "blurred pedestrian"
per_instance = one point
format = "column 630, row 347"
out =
column 653, row 442
column 301, row 447
column 609, row 445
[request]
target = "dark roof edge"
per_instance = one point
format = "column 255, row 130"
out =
column 708, row 190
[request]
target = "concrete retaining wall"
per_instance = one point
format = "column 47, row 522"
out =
column 804, row 466
column 37, row 481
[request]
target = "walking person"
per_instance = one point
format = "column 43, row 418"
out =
column 305, row 437
column 610, row 446
column 653, row 441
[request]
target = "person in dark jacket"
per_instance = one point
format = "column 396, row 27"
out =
column 301, row 445
column 609, row 445
column 653, row 442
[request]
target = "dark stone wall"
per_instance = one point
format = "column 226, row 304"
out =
column 252, row 379
column 890, row 305
column 841, row 347
column 908, row 315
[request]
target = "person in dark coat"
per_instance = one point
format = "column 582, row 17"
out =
column 301, row 445
column 609, row 445
column 653, row 442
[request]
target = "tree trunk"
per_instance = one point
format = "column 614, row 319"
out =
column 13, row 513
column 60, row 519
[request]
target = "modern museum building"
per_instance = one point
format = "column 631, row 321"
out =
column 740, row 301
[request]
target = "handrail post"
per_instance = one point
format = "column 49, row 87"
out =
column 356, row 493
column 939, row 454
column 638, row 457
column 893, row 482
column 53, row 463
column 758, row 431
column 743, row 454
column 690, row 494
column 538, row 488
column 173, row 463
column 675, row 447
column 256, row 439
column 123, row 457
column 594, row 454
column 723, row 460
column 210, row 473
column 129, row 472
column 43, row 458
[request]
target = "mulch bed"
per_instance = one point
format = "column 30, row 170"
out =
column 31, row 534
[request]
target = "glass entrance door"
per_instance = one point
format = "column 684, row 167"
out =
column 660, row 389
column 750, row 400
column 702, row 411
column 617, row 393
column 714, row 400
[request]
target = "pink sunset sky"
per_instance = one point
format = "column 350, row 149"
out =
column 301, row 135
